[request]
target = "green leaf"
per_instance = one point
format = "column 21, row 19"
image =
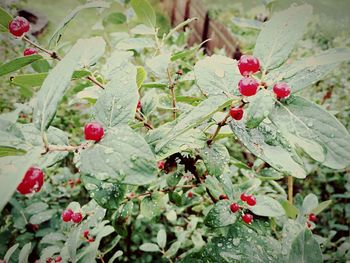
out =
column 267, row 144
column 117, row 104
column 41, row 66
column 216, row 75
column 307, row 71
column 115, row 18
column 241, row 244
column 305, row 248
column 216, row 158
column 259, row 108
column 214, row 186
column 29, row 80
column 279, row 35
column 122, row 155
column 317, row 132
column 144, row 12
column 149, row 247
column 159, row 65
column 106, row 194
column 220, row 215
column 41, row 217
column 247, row 23
column 12, row 249
column 149, row 102
column 142, row 30
column 195, row 117
column 141, row 76
column 36, row 208
column 173, row 249
column 17, row 63
column 161, row 238
column 151, row 206
column 11, row 173
column 310, row 203
column 267, row 206
column 56, row 36
column 24, row 253
column 9, row 151
column 85, row 52
column 5, row 19
column 322, row 206
column 291, row 210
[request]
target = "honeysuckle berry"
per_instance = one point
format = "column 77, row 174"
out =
column 244, row 197
column 86, row 233
column 251, row 200
column 139, row 105
column 161, row 165
column 247, row 218
column 77, row 217
column 49, row 260
column 282, row 90
column 248, row 86
column 67, row 215
column 223, row 197
column 19, row 26
column 32, row 181
column 236, row 113
column 91, row 239
column 58, row 259
column 30, row 51
column 189, row 194
column 93, row 131
column 248, row 65
column 78, row 181
column 234, row 207
column 312, row 217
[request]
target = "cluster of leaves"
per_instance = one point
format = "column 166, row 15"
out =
column 183, row 95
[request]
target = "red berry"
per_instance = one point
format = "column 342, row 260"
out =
column 77, row 217
column 161, row 165
column 308, row 225
column 48, row 260
column 86, row 233
column 32, row 181
column 236, row 113
column 251, row 200
column 93, row 131
column 58, row 259
column 67, row 215
column 234, row 207
column 78, row 181
column 91, row 239
column 18, row 26
column 189, row 194
column 312, row 217
column 139, row 106
column 282, row 90
column 248, row 65
column 223, row 197
column 248, row 86
column 29, row 51
column 244, row 197
column 247, row 218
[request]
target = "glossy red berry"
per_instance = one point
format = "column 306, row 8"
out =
column 223, row 197
column 67, row 215
column 312, row 217
column 91, row 239
column 161, row 165
column 139, row 106
column 236, row 113
column 49, row 260
column 234, row 207
column 32, row 181
column 19, row 26
column 244, row 197
column 86, row 233
column 189, row 194
column 30, row 51
column 247, row 218
column 248, row 65
column 282, row 90
column 308, row 225
column 251, row 200
column 93, row 131
column 248, row 86
column 77, row 218
column 58, row 259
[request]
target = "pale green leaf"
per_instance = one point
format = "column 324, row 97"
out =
column 267, row 206
column 322, row 206
column 216, row 158
column 161, row 238
column 220, row 215
column 24, row 253
column 41, row 217
column 10, row 251
column 17, row 63
column 151, row 206
column 310, row 203
column 144, row 12
column 259, row 108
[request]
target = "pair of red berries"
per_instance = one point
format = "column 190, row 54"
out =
column 69, row 215
column 56, row 259
column 249, row 199
column 248, row 86
column 19, row 26
column 87, row 236
column 246, row 217
column 32, row 181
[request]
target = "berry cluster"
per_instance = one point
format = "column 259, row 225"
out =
column 32, row 181
column 56, row 259
column 19, row 26
column 87, row 236
column 248, row 85
column 93, row 131
column 251, row 201
column 70, row 215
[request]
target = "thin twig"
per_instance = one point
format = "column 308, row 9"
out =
column 146, row 124
column 290, row 189
column 172, row 92
column 220, row 124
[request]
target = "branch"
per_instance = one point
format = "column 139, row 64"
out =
column 172, row 92
column 220, row 124
column 146, row 124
